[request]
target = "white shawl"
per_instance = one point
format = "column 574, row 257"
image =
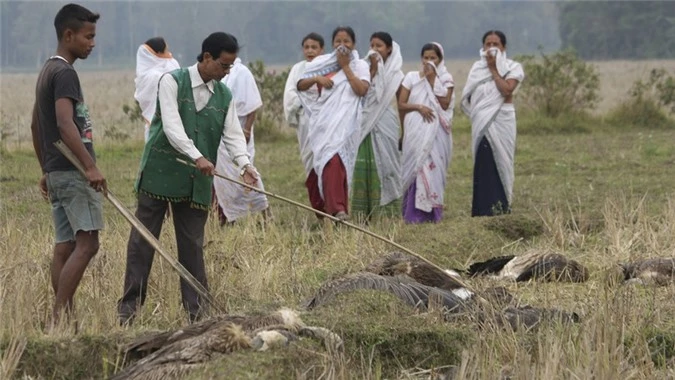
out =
column 490, row 117
column 241, row 82
column 295, row 115
column 334, row 117
column 292, row 104
column 381, row 120
column 149, row 68
column 234, row 199
column 427, row 146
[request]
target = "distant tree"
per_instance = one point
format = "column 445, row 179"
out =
column 271, row 31
column 33, row 38
column 621, row 29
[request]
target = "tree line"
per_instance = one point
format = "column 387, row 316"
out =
column 271, row 31
column 619, row 30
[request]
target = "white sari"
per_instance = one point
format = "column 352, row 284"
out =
column 235, row 201
column 427, row 146
column 149, row 68
column 335, row 116
column 381, row 121
column 491, row 117
column 295, row 115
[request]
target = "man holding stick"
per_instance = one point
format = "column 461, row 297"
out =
column 61, row 114
column 194, row 113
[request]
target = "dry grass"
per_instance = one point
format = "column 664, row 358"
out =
column 107, row 92
column 601, row 198
column 11, row 357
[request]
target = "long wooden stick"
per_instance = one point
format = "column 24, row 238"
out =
column 331, row 217
column 149, row 237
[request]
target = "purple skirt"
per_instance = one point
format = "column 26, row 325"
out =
column 412, row 215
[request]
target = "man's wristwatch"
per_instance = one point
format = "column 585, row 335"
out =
column 243, row 170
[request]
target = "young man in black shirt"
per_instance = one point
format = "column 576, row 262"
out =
column 61, row 114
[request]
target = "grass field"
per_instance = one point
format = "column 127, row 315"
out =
column 601, row 197
column 107, row 92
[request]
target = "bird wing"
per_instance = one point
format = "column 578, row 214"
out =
column 493, row 265
column 410, row 292
column 382, row 264
column 153, row 341
column 553, row 267
column 529, row 317
column 222, row 337
column 395, row 263
column 658, row 270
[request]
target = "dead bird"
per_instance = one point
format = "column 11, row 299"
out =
column 175, row 353
column 538, row 265
column 403, row 287
column 179, row 357
column 657, row 271
column 285, row 318
column 399, row 263
column 529, row 317
column 516, row 317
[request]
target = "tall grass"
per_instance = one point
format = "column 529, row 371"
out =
column 612, row 341
column 601, row 197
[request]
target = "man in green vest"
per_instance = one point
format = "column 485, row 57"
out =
column 194, row 113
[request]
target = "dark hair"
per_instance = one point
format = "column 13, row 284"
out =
column 157, row 44
column 498, row 33
column 434, row 47
column 346, row 29
column 73, row 17
column 314, row 37
column 217, row 43
column 384, row 36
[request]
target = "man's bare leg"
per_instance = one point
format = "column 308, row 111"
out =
column 62, row 252
column 86, row 246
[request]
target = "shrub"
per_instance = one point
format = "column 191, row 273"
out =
column 134, row 112
column 270, row 117
column 559, row 83
column 115, row 133
column 648, row 103
column 660, row 88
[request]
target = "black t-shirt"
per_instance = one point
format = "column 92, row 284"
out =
column 58, row 79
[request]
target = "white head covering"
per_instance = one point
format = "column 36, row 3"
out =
column 149, row 68
column 389, row 72
column 441, row 71
column 244, row 89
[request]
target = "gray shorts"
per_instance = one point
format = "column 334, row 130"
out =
column 76, row 206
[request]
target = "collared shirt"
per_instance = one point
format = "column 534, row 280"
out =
column 233, row 136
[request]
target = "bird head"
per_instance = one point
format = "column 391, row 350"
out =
column 266, row 339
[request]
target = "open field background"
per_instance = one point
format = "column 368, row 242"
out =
column 107, row 92
column 601, row 197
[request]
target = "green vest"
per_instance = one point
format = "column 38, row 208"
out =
column 160, row 175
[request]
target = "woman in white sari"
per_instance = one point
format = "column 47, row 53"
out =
column 427, row 101
column 377, row 173
column 312, row 47
column 488, row 101
column 153, row 59
column 235, row 201
column 334, row 121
